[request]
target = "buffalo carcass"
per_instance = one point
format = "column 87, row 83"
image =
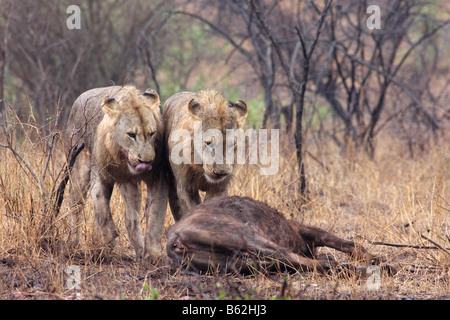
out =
column 240, row 233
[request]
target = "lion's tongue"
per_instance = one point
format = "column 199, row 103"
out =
column 143, row 167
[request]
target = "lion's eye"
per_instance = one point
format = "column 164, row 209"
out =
column 152, row 134
column 132, row 135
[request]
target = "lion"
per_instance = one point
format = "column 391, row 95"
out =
column 186, row 114
column 122, row 131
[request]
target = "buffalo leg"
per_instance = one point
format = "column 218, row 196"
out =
column 316, row 237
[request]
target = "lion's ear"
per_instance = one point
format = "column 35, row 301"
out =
column 194, row 108
column 241, row 108
column 151, row 94
column 110, row 106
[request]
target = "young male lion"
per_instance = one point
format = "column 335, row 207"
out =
column 122, row 131
column 196, row 127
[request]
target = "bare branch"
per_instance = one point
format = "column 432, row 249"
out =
column 447, row 251
column 21, row 160
column 238, row 47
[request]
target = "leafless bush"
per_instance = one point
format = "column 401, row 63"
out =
column 45, row 62
column 373, row 76
column 370, row 79
column 46, row 172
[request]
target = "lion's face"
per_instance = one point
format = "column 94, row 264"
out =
column 216, row 117
column 134, row 130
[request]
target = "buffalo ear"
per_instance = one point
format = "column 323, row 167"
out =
column 194, row 108
column 242, row 110
column 110, row 106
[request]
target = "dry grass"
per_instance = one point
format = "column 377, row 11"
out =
column 390, row 199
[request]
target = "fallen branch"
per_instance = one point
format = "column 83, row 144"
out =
column 403, row 245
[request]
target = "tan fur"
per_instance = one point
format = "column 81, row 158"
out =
column 215, row 112
column 123, row 131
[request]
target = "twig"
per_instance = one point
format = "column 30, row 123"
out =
column 317, row 160
column 436, row 244
column 238, row 47
column 284, row 286
column 405, row 245
column 20, row 159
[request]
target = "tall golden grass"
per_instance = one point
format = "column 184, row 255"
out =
column 389, row 199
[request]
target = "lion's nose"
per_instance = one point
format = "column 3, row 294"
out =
column 146, row 157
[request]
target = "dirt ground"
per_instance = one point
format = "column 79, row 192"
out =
column 121, row 278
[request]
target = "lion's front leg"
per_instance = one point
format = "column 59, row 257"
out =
column 101, row 196
column 187, row 197
column 131, row 195
column 155, row 214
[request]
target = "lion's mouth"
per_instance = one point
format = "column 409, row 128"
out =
column 138, row 166
column 216, row 178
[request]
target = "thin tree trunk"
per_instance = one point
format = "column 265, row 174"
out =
column 2, row 83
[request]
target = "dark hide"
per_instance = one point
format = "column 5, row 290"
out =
column 235, row 233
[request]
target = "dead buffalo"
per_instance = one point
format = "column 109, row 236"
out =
column 236, row 233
